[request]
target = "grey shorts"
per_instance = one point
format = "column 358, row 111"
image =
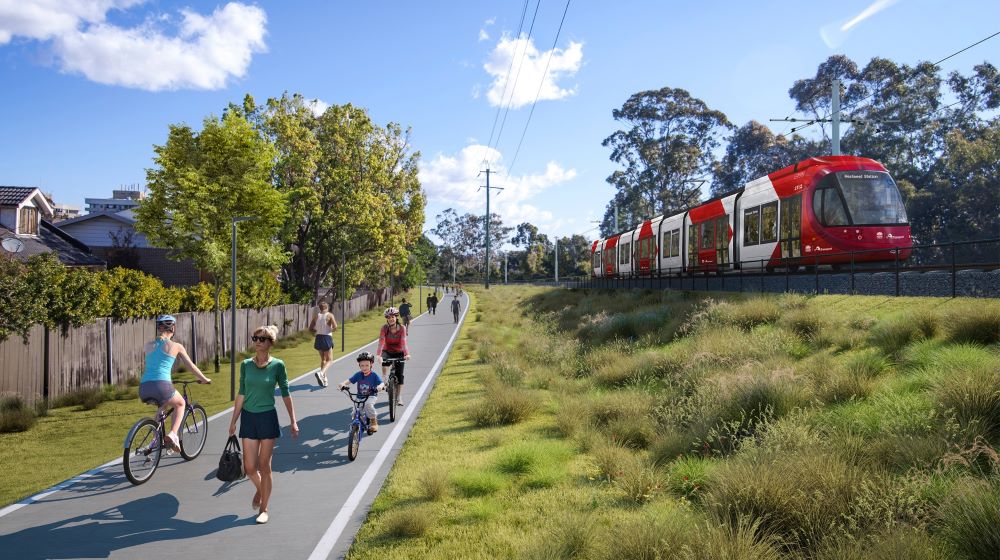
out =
column 159, row 391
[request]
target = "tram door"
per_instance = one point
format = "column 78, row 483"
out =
column 791, row 227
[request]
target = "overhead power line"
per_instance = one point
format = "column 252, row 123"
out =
column 538, row 93
column 517, row 76
column 520, row 26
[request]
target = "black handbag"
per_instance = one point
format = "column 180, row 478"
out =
column 231, row 462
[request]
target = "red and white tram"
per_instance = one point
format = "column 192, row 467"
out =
column 817, row 211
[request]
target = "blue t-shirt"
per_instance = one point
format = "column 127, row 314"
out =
column 367, row 384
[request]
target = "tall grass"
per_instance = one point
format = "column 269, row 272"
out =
column 15, row 415
column 502, row 405
column 975, row 325
column 409, row 522
column 973, row 394
column 970, row 520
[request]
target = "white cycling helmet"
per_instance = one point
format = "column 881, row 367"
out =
column 390, row 311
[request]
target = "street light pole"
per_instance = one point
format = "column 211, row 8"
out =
column 232, row 321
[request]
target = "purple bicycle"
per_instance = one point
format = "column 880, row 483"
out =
column 144, row 444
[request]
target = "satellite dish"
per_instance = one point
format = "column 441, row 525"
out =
column 13, row 245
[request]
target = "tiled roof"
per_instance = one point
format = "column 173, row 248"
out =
column 12, row 196
column 50, row 238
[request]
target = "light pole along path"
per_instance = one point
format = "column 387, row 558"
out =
column 320, row 498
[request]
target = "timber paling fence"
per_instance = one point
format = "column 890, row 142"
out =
column 109, row 351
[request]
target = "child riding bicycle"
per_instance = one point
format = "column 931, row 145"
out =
column 369, row 384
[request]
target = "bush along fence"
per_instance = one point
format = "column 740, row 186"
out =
column 108, row 351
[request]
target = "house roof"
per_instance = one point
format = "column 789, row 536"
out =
column 122, row 217
column 70, row 251
column 14, row 196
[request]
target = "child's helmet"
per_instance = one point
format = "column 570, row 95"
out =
column 390, row 311
column 366, row 356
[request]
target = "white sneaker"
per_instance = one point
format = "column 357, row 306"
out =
column 321, row 379
column 262, row 518
column 325, row 382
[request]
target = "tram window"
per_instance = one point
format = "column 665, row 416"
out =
column 708, row 234
column 751, row 226
column 625, row 255
column 612, row 255
column 675, row 243
column 769, row 222
column 665, row 246
column 597, row 259
column 692, row 245
column 834, row 213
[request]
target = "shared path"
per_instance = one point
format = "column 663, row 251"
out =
column 319, row 501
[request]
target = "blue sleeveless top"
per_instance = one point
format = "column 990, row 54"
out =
column 158, row 364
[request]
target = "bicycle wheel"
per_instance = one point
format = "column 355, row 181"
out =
column 354, row 443
column 391, row 390
column 142, row 452
column 194, row 432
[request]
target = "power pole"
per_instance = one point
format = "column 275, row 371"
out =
column 557, row 260
column 488, row 187
column 834, row 119
column 505, row 268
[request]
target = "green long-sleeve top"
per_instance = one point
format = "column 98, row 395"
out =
column 257, row 384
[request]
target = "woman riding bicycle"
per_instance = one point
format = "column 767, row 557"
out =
column 157, row 382
column 392, row 345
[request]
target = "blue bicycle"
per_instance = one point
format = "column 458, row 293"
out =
column 359, row 423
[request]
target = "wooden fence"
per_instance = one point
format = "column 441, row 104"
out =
column 53, row 363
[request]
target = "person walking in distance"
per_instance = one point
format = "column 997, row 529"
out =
column 254, row 408
column 456, row 307
column 430, row 298
column 323, row 324
column 392, row 344
column 434, row 303
column 157, row 384
column 405, row 312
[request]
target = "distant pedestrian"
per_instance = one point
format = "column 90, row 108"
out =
column 258, row 418
column 456, row 307
column 323, row 324
column 433, row 303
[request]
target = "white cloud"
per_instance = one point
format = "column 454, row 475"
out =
column 205, row 52
column 490, row 21
column 477, row 90
column 453, row 181
column 527, row 71
column 483, row 35
column 317, row 106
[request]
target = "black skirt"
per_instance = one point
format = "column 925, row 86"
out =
column 259, row 425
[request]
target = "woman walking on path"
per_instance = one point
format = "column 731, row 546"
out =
column 259, row 425
column 323, row 324
column 157, row 382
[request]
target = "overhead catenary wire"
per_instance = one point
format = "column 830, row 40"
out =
column 541, row 83
column 506, row 80
column 517, row 76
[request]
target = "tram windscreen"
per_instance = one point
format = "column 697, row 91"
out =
column 872, row 198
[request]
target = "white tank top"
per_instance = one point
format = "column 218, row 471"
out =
column 321, row 324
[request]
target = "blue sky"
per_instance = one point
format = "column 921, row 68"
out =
column 89, row 86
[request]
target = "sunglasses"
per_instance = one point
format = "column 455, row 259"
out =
column 165, row 324
column 261, row 339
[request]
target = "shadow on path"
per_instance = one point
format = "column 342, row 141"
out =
column 139, row 522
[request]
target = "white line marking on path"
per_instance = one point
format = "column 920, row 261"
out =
column 81, row 477
column 332, row 534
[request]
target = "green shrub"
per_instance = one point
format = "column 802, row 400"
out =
column 572, row 535
column 867, row 365
column 893, row 335
column 635, row 432
column 803, row 322
column 756, row 311
column 653, row 535
column 976, row 325
column 639, row 481
column 433, row 484
column 799, row 497
column 408, row 523
column 630, row 326
column 86, row 399
column 503, row 405
column 688, row 477
column 970, row 518
column 743, row 538
column 611, row 459
column 973, row 395
column 899, row 543
column 472, row 483
column 670, row 445
column 15, row 415
column 508, row 371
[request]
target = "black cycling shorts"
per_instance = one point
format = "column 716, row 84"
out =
column 399, row 365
